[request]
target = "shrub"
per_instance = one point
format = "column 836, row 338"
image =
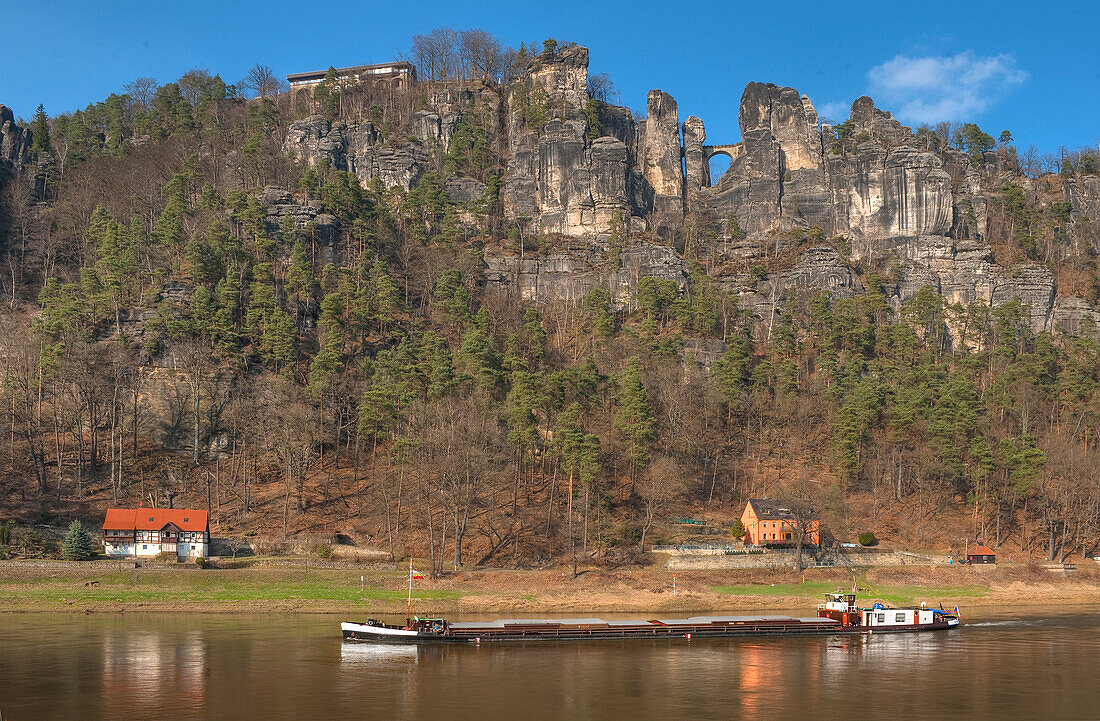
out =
column 5, row 532
column 867, row 538
column 78, row 544
column 324, row 550
column 200, row 562
column 737, row 530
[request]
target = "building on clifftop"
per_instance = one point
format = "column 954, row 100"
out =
column 401, row 72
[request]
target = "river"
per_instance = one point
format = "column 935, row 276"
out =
column 127, row 666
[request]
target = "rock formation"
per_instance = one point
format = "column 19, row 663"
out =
column 661, row 152
column 579, row 171
column 357, row 148
column 14, row 140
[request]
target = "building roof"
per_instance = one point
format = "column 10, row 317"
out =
column 982, row 551
column 396, row 66
column 778, row 510
column 154, row 519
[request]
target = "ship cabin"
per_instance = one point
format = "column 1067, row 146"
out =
column 147, row 532
column 879, row 615
column 841, row 607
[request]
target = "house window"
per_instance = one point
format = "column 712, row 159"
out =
column 788, row 536
column 144, row 547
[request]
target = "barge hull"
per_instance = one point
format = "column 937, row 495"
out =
column 369, row 634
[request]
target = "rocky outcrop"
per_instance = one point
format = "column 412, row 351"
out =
column 359, row 149
column 283, row 208
column 785, row 175
column 1083, row 196
column 568, row 272
column 14, row 140
column 559, row 179
column 883, row 195
column 661, row 153
column 878, row 125
column 576, row 170
column 696, row 165
column 1076, row 316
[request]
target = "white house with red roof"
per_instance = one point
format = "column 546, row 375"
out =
column 151, row 531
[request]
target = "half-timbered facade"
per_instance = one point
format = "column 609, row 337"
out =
column 143, row 532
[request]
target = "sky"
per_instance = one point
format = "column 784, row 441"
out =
column 1032, row 68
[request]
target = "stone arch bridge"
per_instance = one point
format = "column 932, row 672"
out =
column 730, row 150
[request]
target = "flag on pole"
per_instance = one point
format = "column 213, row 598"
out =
column 414, row 574
column 956, row 611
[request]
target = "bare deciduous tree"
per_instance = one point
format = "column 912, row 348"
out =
column 141, row 90
column 601, row 87
column 436, row 54
column 480, row 55
column 262, row 80
column 661, row 482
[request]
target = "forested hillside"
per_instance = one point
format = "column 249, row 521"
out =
column 482, row 316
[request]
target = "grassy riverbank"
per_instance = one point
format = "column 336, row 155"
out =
column 101, row 586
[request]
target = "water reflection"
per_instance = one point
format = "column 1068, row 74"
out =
column 357, row 657
column 152, row 663
column 196, row 667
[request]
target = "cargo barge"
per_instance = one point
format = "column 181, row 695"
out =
column 838, row 615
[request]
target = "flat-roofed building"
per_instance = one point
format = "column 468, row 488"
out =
column 401, row 72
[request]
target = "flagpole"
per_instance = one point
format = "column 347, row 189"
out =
column 410, row 610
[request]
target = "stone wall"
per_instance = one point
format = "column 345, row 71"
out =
column 783, row 559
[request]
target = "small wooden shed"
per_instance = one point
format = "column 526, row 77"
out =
column 982, row 554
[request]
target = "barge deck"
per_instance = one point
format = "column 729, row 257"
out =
column 838, row 615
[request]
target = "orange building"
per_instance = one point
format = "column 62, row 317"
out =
column 773, row 523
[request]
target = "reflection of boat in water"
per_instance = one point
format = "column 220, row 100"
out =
column 363, row 654
column 838, row 615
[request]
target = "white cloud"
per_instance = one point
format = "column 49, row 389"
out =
column 931, row 89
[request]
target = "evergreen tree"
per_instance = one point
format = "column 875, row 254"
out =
column 40, row 132
column 634, row 419
column 78, row 544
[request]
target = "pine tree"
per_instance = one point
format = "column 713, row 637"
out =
column 40, row 132
column 634, row 419
column 78, row 544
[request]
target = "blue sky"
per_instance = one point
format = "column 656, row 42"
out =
column 1032, row 68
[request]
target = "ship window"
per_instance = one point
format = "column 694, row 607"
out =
column 880, row 617
column 899, row 618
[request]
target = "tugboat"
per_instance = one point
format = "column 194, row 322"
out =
column 838, row 615
column 842, row 607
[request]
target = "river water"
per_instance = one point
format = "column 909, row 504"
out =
column 126, row 666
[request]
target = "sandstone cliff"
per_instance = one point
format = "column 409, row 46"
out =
column 14, row 140
column 577, row 169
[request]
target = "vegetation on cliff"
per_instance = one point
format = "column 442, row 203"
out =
column 169, row 336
